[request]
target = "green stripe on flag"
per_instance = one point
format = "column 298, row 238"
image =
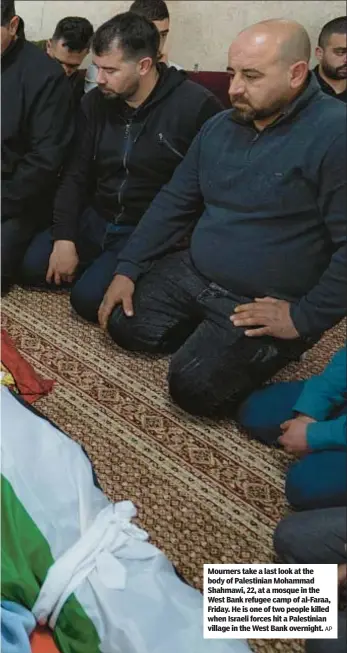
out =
column 25, row 560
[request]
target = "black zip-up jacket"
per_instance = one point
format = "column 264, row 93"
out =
column 122, row 157
column 37, row 124
column 273, row 210
column 326, row 88
column 76, row 81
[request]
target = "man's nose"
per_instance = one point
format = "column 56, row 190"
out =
column 100, row 77
column 236, row 86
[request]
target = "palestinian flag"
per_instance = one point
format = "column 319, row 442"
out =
column 77, row 561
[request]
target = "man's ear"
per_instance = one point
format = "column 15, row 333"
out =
column 49, row 46
column 13, row 26
column 319, row 53
column 145, row 65
column 298, row 74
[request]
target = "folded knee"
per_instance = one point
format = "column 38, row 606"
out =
column 252, row 413
column 35, row 261
column 188, row 391
column 84, row 303
column 283, row 538
column 297, row 487
column 125, row 332
column 31, row 273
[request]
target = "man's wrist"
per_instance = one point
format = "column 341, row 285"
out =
column 305, row 418
column 62, row 241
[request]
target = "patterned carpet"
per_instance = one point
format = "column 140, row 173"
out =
column 204, row 492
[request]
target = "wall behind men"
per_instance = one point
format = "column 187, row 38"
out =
column 201, row 30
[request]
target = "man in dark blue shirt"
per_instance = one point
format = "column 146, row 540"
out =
column 265, row 274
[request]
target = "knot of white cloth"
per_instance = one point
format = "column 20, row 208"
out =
column 109, row 534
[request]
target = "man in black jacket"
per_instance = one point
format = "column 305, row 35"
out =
column 132, row 133
column 265, row 274
column 36, row 130
column 69, row 46
column 331, row 53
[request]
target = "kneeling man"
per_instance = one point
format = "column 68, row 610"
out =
column 265, row 274
column 132, row 133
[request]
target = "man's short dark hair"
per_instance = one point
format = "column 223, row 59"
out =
column 150, row 9
column 133, row 34
column 75, row 32
column 335, row 26
column 7, row 11
column 21, row 28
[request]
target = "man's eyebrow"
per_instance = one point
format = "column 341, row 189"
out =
column 107, row 68
column 245, row 70
column 252, row 70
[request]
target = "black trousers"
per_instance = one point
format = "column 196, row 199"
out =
column 316, row 537
column 16, row 236
column 214, row 365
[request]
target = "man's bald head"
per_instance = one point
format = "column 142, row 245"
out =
column 287, row 38
column 268, row 65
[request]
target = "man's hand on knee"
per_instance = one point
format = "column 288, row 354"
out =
column 63, row 262
column 266, row 316
column 120, row 291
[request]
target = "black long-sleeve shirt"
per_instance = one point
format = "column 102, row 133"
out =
column 326, row 88
column 37, row 123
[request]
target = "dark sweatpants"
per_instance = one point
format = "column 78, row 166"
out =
column 214, row 365
column 98, row 244
column 16, row 235
column 316, row 537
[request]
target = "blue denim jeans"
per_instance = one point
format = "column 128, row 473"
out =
column 319, row 480
column 264, row 410
column 98, row 244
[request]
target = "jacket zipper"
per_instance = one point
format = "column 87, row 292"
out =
column 253, row 143
column 125, row 161
column 173, row 149
column 258, row 134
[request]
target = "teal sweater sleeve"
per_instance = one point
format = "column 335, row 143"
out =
column 321, row 394
column 327, row 435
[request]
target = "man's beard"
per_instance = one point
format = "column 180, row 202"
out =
column 334, row 73
column 125, row 95
column 246, row 113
